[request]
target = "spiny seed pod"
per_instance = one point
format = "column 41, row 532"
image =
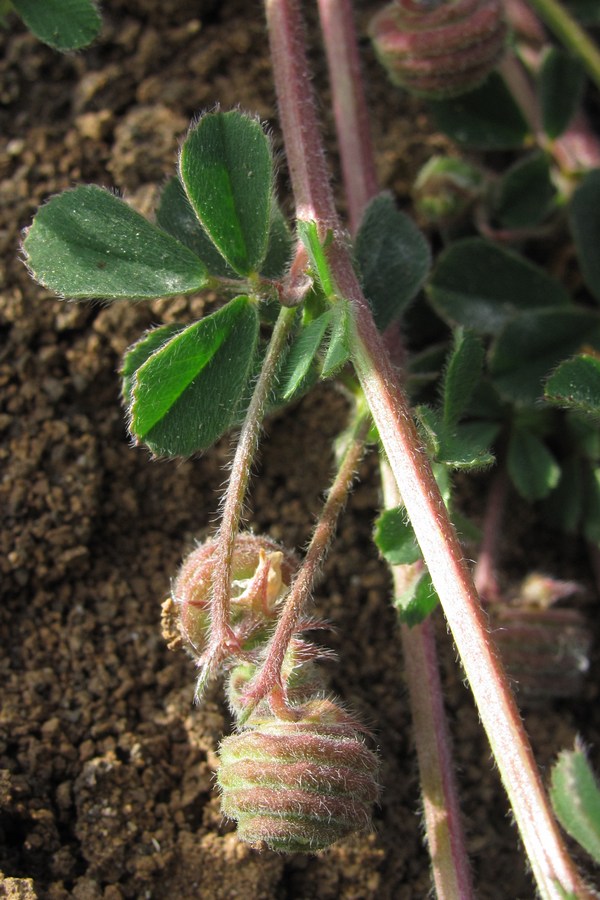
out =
column 439, row 48
column 261, row 574
column 301, row 782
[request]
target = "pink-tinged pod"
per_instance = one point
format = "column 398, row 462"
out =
column 261, row 574
column 439, row 48
column 298, row 786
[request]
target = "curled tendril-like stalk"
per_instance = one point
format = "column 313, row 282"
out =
column 439, row 49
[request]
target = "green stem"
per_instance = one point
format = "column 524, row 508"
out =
column 571, row 34
column 222, row 640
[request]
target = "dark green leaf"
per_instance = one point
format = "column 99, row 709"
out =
column 586, row 11
column 338, row 350
column 394, row 259
column 531, row 346
column 562, row 79
column 186, row 394
column 487, row 118
column 486, row 403
column 575, row 797
column 176, row 216
column 86, row 243
column 576, row 384
column 280, row 247
column 480, row 286
column 583, row 432
column 584, row 216
column 63, row 24
column 466, row 446
column 462, row 446
column 137, row 355
column 301, row 354
column 418, row 601
column 532, row 468
column 226, row 168
column 395, row 538
column 463, row 372
column 525, row 195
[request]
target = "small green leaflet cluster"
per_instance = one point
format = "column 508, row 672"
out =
column 538, row 345
column 63, row 24
column 218, row 226
column 397, row 544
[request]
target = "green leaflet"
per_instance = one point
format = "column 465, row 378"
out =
column 88, row 244
column 227, row 171
column 185, row 395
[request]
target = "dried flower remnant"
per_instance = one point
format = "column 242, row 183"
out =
column 261, row 574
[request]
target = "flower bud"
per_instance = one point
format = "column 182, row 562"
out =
column 261, row 574
column 439, row 48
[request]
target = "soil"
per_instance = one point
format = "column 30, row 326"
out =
column 106, row 766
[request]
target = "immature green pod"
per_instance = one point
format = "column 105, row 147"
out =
column 439, row 48
column 299, row 785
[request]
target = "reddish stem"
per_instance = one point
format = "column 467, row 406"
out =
column 223, row 641
column 269, row 675
column 552, row 867
column 443, row 822
column 349, row 107
column 487, row 558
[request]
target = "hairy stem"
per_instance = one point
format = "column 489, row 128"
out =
column 222, row 639
column 577, row 148
column 443, row 821
column 269, row 676
column 349, row 107
column 571, row 34
column 485, row 569
column 552, row 867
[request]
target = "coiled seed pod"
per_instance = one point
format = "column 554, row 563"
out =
column 298, row 786
column 261, row 574
column 439, row 48
column 302, row 778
